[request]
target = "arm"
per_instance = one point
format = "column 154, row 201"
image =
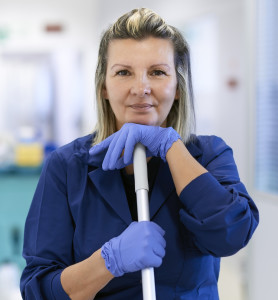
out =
column 48, row 241
column 51, row 271
column 217, row 209
column 184, row 168
column 85, row 279
column 141, row 245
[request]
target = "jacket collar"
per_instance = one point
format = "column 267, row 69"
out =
column 162, row 188
column 110, row 186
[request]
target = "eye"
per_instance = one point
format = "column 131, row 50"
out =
column 158, row 73
column 123, row 73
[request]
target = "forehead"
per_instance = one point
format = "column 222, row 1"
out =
column 148, row 48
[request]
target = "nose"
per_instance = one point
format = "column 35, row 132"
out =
column 141, row 86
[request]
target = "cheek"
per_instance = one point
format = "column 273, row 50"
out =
column 116, row 91
column 169, row 88
column 168, row 94
column 116, row 104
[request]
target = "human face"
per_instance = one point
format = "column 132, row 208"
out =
column 141, row 82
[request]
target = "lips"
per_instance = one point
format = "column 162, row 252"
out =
column 143, row 106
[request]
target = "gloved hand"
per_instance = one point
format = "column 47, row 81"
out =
column 140, row 246
column 157, row 140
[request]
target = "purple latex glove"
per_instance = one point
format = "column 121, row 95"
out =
column 157, row 140
column 140, row 246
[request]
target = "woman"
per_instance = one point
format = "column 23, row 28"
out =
column 82, row 238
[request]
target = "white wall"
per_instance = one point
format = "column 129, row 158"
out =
column 25, row 22
column 263, row 259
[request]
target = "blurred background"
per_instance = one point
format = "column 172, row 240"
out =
column 48, row 52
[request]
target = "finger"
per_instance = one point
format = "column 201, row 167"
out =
column 151, row 227
column 132, row 224
column 158, row 239
column 131, row 141
column 120, row 163
column 159, row 250
column 157, row 262
column 157, row 228
column 110, row 150
column 97, row 153
column 117, row 146
column 152, row 261
column 102, row 146
column 148, row 153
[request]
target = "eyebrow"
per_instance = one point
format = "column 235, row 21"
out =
column 128, row 67
column 120, row 65
column 159, row 65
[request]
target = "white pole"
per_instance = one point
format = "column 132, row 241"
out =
column 142, row 189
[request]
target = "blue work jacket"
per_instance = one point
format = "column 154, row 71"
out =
column 77, row 207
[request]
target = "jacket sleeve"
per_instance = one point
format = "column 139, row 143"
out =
column 48, row 235
column 217, row 209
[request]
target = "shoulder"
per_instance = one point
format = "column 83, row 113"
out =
column 66, row 165
column 207, row 145
column 212, row 144
column 78, row 145
column 78, row 149
column 216, row 156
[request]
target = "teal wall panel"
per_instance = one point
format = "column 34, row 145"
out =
column 16, row 193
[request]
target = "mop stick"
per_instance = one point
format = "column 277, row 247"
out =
column 142, row 189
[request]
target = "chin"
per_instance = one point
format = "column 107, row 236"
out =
column 149, row 123
column 144, row 121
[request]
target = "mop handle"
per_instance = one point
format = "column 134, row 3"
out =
column 142, row 189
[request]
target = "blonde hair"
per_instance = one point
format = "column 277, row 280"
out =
column 139, row 24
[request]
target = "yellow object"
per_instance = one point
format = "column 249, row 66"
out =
column 29, row 155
